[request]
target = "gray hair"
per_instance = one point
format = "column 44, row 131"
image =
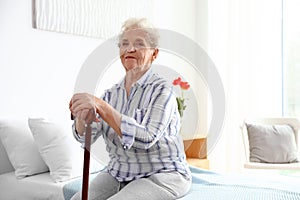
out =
column 141, row 23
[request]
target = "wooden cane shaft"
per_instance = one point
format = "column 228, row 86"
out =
column 86, row 163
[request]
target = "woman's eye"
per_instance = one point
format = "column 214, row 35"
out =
column 140, row 44
column 124, row 44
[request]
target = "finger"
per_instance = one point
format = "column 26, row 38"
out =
column 75, row 103
column 70, row 108
column 75, row 98
column 70, row 104
column 81, row 99
column 80, row 96
column 77, row 114
column 97, row 119
column 73, row 114
column 79, row 103
column 83, row 107
column 83, row 114
column 90, row 116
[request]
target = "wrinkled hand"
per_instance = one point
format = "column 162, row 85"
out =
column 83, row 107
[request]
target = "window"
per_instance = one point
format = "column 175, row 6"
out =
column 291, row 57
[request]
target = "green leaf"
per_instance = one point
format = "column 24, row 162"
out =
column 181, row 106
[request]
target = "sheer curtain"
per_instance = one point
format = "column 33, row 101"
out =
column 291, row 57
column 244, row 41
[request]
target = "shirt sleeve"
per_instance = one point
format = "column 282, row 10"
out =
column 95, row 134
column 154, row 123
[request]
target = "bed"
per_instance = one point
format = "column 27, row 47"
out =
column 206, row 184
column 40, row 183
column 209, row 185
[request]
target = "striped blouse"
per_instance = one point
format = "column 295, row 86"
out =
column 150, row 125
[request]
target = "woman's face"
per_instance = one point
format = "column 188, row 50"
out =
column 135, row 50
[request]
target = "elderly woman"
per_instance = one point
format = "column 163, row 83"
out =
column 139, row 121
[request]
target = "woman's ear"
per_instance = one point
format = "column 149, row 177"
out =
column 155, row 53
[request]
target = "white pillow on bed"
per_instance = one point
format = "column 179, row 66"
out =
column 21, row 148
column 59, row 149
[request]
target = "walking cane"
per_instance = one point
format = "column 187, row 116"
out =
column 86, row 160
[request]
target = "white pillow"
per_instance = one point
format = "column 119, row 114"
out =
column 272, row 143
column 21, row 148
column 59, row 149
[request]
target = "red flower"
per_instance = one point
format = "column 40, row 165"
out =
column 180, row 100
column 184, row 85
column 177, row 81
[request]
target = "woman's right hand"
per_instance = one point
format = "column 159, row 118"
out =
column 82, row 107
column 85, row 106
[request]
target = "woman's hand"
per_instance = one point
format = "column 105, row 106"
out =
column 83, row 107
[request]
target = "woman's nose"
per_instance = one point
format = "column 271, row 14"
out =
column 130, row 48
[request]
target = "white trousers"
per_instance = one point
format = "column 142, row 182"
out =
column 160, row 186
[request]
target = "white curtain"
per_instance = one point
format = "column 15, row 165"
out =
column 244, row 41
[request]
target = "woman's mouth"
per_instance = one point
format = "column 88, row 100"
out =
column 129, row 57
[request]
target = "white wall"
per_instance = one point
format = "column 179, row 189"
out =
column 38, row 68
